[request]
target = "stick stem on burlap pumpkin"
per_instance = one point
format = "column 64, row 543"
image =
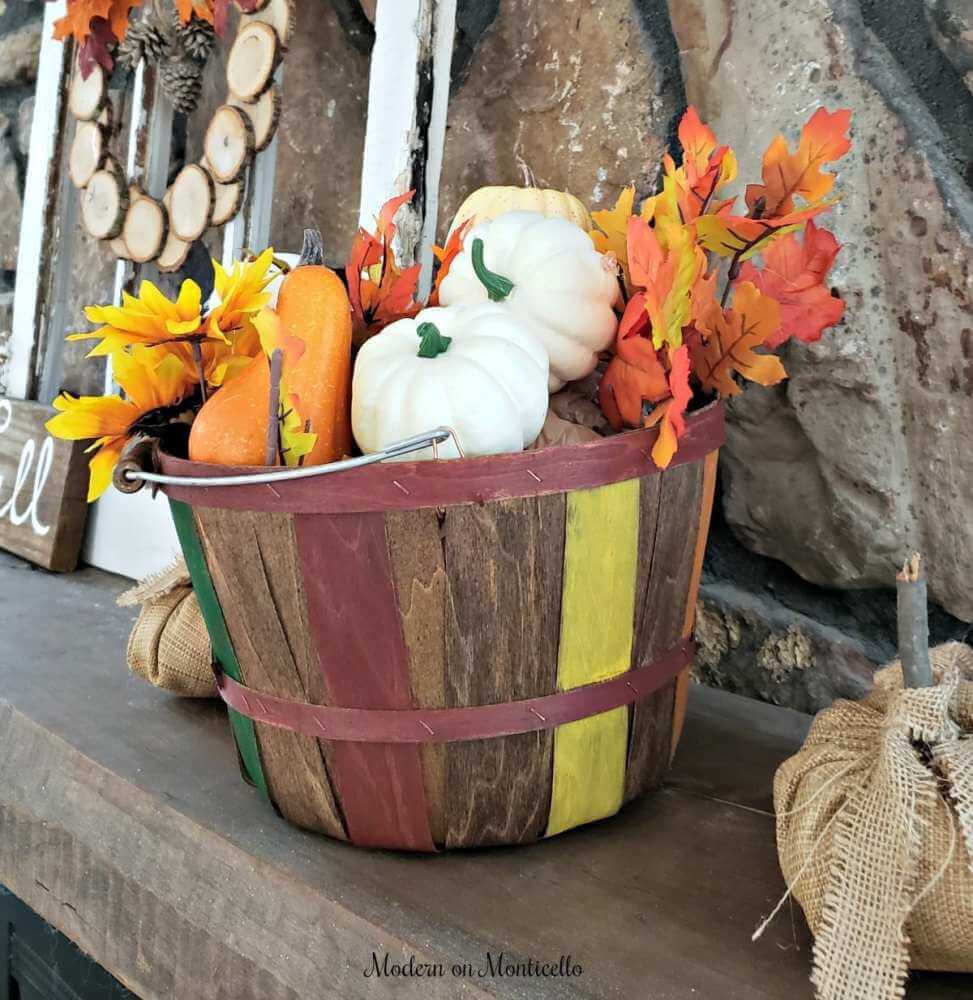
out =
column 913, row 623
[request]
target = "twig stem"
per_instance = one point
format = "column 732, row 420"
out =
column 913, row 622
column 276, row 364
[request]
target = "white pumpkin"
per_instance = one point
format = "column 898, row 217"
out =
column 547, row 272
column 473, row 368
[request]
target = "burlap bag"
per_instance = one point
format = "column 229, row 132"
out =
column 169, row 645
column 875, row 832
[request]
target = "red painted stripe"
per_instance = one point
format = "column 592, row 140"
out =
column 412, row 485
column 355, row 625
column 447, row 725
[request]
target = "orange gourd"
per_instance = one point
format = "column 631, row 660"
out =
column 231, row 426
column 313, row 306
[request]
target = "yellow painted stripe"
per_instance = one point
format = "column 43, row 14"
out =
column 597, row 616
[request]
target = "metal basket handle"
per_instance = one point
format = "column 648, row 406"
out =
column 134, row 478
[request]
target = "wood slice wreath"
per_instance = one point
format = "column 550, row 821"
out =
column 203, row 195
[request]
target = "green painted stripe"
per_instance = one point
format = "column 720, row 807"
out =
column 597, row 611
column 209, row 605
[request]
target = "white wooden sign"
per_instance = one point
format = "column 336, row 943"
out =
column 43, row 484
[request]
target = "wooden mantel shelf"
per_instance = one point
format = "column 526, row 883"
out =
column 125, row 824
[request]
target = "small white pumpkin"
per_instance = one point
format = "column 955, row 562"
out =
column 473, row 368
column 547, row 272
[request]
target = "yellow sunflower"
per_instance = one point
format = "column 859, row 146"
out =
column 147, row 320
column 152, row 319
column 241, row 295
column 150, row 378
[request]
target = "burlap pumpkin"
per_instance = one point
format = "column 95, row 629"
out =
column 875, row 831
column 169, row 645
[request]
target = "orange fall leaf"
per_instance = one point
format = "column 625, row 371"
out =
column 730, row 347
column 787, row 174
column 793, row 274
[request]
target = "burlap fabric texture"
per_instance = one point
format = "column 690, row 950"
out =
column 169, row 645
column 875, row 831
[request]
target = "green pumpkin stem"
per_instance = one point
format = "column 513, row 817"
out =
column 432, row 342
column 498, row 287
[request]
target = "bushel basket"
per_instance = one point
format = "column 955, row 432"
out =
column 454, row 653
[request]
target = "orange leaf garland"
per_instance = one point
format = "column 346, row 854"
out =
column 823, row 140
column 634, row 376
column 673, row 417
column 793, row 274
column 667, row 275
column 378, row 290
column 688, row 191
column 751, row 321
column 446, row 255
column 95, row 25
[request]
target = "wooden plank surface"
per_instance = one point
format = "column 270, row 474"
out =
column 597, row 614
column 502, row 626
column 410, row 485
column 354, row 622
column 667, row 541
column 43, row 488
column 251, row 561
column 123, row 822
column 244, row 732
column 420, row 586
column 707, row 490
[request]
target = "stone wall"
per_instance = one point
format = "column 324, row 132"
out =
column 20, row 39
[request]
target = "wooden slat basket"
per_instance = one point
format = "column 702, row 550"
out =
column 459, row 653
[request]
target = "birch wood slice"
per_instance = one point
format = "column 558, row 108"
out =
column 104, row 204
column 87, row 97
column 227, row 198
column 107, row 118
column 281, row 15
column 191, row 201
column 119, row 248
column 175, row 252
column 229, row 144
column 145, row 229
column 88, row 152
column 264, row 115
column 252, row 61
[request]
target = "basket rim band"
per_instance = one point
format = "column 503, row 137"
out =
column 398, row 485
column 450, row 725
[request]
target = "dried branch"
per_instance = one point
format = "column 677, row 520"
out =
column 913, row 621
column 273, row 410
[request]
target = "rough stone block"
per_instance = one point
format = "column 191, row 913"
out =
column 863, row 454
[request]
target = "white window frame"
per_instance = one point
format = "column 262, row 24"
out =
column 404, row 141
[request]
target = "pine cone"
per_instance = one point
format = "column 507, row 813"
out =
column 143, row 40
column 182, row 83
column 197, row 38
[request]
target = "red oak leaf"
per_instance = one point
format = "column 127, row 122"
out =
column 793, row 274
column 95, row 48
